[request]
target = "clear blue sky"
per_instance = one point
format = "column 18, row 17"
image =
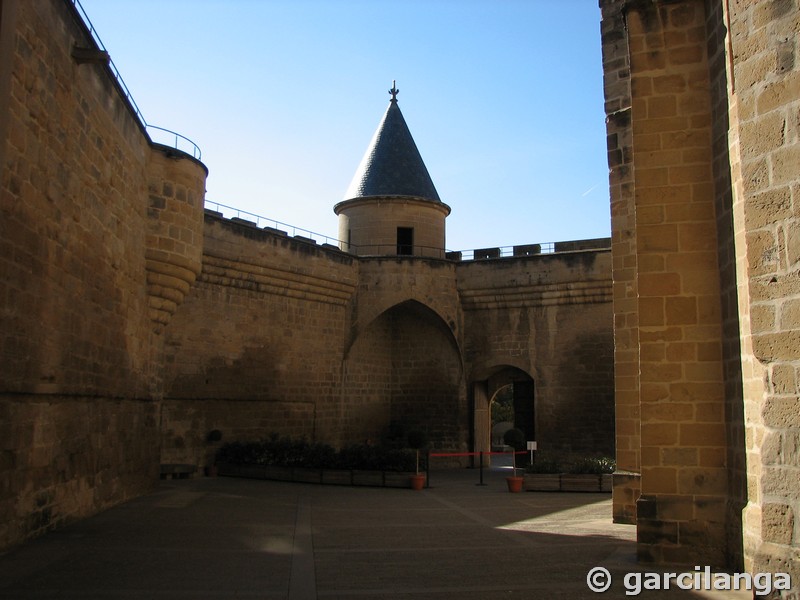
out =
column 503, row 97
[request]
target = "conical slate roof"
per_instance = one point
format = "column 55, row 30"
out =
column 392, row 165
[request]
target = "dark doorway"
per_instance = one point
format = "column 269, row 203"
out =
column 405, row 241
column 504, row 400
column 523, row 408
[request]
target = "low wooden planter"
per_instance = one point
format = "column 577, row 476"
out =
column 274, row 473
column 580, row 483
column 307, row 475
column 567, row 482
column 368, row 478
column 246, row 471
column 337, row 477
column 392, row 479
column 542, row 482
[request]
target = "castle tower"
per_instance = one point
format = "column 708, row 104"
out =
column 391, row 207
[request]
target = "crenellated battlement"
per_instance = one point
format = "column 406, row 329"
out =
column 278, row 228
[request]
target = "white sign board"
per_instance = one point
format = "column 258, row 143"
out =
column 531, row 445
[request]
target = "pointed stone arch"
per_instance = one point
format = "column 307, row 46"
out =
column 404, row 367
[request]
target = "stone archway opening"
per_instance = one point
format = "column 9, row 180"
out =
column 503, row 400
column 501, row 414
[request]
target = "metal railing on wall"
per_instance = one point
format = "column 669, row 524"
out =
column 411, row 251
column 176, row 140
column 385, row 250
column 532, row 249
column 230, row 212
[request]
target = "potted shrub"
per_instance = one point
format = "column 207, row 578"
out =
column 417, row 439
column 516, row 439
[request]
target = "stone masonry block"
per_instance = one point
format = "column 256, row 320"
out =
column 651, row 311
column 781, row 481
column 713, row 458
column 663, row 195
column 649, row 353
column 698, row 237
column 679, row 457
column 694, row 103
column 681, row 351
column 772, row 448
column 674, row 508
column 762, row 136
column 777, row 523
column 661, row 106
column 661, row 372
column 756, row 69
column 783, row 378
column 769, row 207
column 709, row 412
column 662, row 334
column 680, row 311
column 705, row 371
column 784, row 164
column 793, row 242
column 686, row 55
column 668, row 411
column 776, row 91
column 772, row 347
column 702, row 481
column 669, row 84
column 781, row 412
column 660, row 434
column 702, row 434
column 763, row 317
column 659, row 480
column 650, row 215
column 657, row 238
column 762, row 252
column 689, row 211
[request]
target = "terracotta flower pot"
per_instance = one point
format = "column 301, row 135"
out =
column 514, row 484
column 417, row 481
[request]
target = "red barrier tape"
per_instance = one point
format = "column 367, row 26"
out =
column 439, row 454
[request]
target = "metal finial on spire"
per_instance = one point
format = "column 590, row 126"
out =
column 394, row 91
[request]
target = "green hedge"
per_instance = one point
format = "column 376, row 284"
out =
column 287, row 452
column 582, row 465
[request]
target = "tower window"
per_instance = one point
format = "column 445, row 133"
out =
column 405, row 241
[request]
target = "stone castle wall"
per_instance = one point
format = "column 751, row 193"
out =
column 617, row 87
column 307, row 340
column 731, row 315
column 683, row 427
column 264, row 327
column 134, row 323
column 765, row 153
column 704, row 220
column 549, row 317
column 132, row 326
column 79, row 379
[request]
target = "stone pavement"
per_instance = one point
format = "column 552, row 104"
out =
column 224, row 538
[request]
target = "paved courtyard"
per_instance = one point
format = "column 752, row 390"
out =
column 224, row 538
